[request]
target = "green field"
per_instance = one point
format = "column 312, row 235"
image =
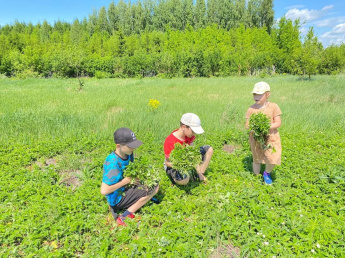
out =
column 55, row 137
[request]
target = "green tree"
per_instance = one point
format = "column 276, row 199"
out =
column 253, row 13
column 199, row 14
column 45, row 31
column 113, row 17
column 238, row 14
column 310, row 54
column 187, row 13
column 332, row 59
column 213, row 12
column 175, row 12
column 147, row 15
column 267, row 14
column 76, row 32
column 138, row 18
column 102, row 21
column 288, row 45
column 92, row 22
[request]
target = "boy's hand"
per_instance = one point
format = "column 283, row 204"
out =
column 127, row 180
column 136, row 181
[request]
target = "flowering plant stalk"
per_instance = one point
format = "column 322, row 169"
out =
column 153, row 104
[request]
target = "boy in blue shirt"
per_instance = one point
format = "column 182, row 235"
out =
column 113, row 183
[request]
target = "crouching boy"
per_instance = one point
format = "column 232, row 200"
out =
column 115, row 186
column 190, row 125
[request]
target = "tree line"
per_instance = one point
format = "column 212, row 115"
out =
column 167, row 38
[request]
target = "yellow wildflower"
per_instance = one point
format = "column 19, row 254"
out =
column 153, row 104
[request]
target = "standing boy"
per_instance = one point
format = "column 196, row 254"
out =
column 119, row 197
column 190, row 125
column 271, row 156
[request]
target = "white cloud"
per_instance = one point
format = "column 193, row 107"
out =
column 339, row 29
column 330, row 22
column 306, row 15
column 318, row 19
column 335, row 36
column 294, row 7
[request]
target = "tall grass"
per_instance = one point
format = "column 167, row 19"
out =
column 46, row 109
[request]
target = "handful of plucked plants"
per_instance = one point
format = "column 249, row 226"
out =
column 259, row 125
column 185, row 158
column 142, row 172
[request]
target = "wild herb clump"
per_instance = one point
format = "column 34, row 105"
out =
column 143, row 172
column 185, row 158
column 259, row 126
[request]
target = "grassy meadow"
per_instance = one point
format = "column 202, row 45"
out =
column 54, row 138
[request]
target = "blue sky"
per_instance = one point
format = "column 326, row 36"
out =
column 327, row 17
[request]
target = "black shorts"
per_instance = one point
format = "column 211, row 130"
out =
column 203, row 150
column 130, row 197
column 175, row 175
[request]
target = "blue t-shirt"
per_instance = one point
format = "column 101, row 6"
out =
column 113, row 173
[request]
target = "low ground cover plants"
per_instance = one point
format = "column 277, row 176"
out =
column 46, row 141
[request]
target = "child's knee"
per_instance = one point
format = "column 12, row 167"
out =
column 210, row 151
column 183, row 181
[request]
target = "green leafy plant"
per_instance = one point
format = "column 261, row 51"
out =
column 185, row 158
column 335, row 175
column 259, row 126
column 143, row 172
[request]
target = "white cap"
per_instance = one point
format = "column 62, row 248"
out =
column 193, row 121
column 261, row 88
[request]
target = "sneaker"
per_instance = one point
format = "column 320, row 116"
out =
column 120, row 222
column 132, row 216
column 267, row 178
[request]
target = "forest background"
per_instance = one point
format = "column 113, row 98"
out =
column 172, row 38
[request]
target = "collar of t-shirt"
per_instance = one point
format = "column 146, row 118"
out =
column 187, row 140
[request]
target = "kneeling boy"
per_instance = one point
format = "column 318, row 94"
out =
column 113, row 183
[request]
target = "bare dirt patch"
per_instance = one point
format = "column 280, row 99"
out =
column 228, row 251
column 51, row 162
column 230, row 148
column 42, row 165
column 71, row 178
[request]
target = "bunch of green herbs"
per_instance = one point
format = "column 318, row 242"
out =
column 259, row 126
column 143, row 172
column 185, row 158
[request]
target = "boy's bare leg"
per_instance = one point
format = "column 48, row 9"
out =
column 269, row 167
column 203, row 166
column 256, row 168
column 142, row 201
column 183, row 182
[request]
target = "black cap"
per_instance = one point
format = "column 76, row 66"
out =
column 127, row 137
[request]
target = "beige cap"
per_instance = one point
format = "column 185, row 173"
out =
column 193, row 121
column 261, row 88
